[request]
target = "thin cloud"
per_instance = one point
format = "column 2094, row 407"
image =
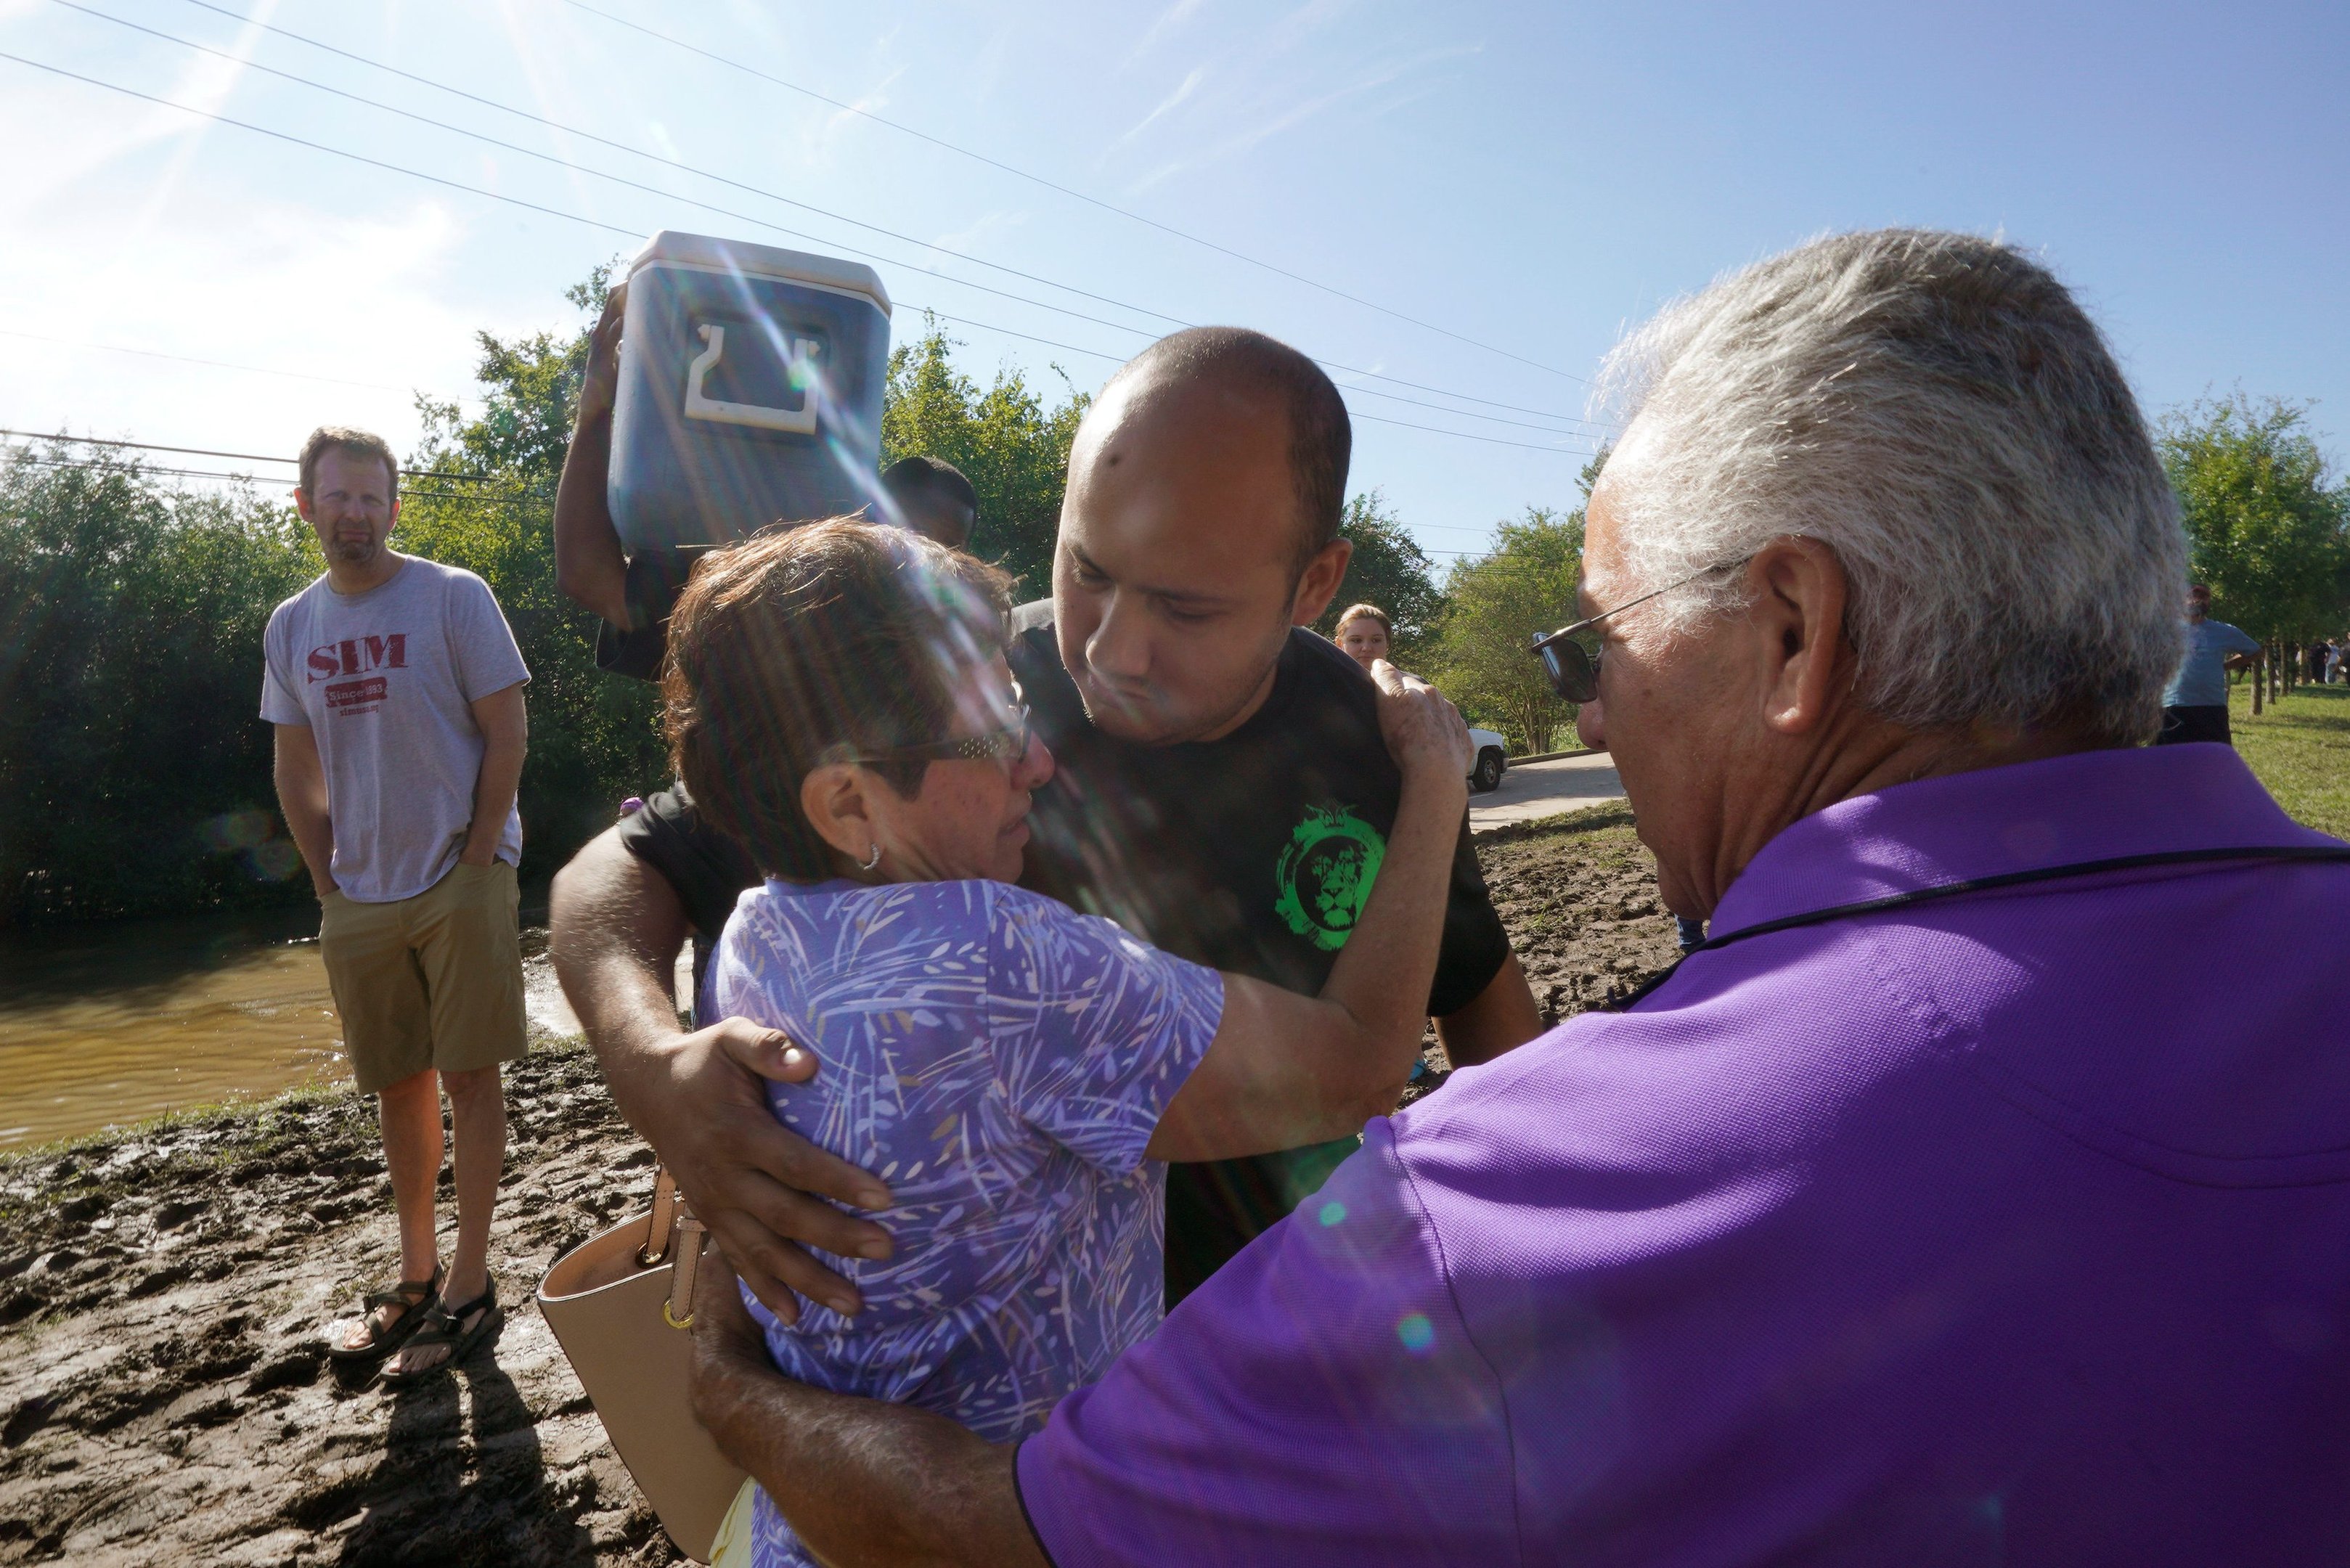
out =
column 1160, row 176
column 1300, row 25
column 872, row 101
column 205, row 82
column 1169, row 19
column 966, row 241
column 1318, row 13
column 1190, row 85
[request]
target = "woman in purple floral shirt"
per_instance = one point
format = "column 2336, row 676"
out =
column 1016, row 1072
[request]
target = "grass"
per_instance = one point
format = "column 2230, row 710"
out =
column 2301, row 749
column 1582, row 819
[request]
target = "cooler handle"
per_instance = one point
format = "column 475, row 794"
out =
column 795, row 421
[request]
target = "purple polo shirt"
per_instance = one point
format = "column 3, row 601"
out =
column 2012, row 1229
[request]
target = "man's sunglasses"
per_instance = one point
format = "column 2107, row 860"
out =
column 1574, row 669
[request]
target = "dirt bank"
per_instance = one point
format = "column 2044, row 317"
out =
column 164, row 1397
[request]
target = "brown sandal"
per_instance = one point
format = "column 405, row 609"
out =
column 445, row 1324
column 415, row 1298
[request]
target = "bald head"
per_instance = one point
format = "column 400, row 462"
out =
column 1259, row 375
column 1198, row 526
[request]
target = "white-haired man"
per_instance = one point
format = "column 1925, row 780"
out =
column 1922, row 1216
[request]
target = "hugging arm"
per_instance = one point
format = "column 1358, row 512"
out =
column 615, row 929
column 862, row 1482
column 1284, row 1071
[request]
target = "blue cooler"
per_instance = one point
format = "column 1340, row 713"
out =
column 750, row 392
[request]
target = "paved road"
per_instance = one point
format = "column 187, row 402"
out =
column 1544, row 789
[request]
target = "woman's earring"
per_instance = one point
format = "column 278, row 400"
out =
column 872, row 860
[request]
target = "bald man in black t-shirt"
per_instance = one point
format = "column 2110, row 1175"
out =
column 1222, row 791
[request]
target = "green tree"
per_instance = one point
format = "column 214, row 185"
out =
column 593, row 740
column 136, row 773
column 135, row 770
column 1390, row 570
column 1013, row 449
column 2264, row 526
column 1495, row 606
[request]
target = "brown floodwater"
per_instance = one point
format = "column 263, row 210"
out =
column 101, row 1025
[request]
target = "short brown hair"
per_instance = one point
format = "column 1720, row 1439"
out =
column 352, row 441
column 837, row 634
column 1365, row 612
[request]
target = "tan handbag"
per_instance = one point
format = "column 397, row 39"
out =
column 620, row 1303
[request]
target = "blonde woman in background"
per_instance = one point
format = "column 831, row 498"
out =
column 1364, row 631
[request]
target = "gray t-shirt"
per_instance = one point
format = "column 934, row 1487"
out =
column 2202, row 678
column 385, row 680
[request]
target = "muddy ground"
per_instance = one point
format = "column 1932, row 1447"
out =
column 164, row 1397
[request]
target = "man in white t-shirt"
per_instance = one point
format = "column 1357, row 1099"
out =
column 396, row 690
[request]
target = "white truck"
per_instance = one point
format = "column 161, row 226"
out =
column 1492, row 755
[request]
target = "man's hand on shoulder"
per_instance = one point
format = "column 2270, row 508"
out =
column 750, row 1179
column 615, row 928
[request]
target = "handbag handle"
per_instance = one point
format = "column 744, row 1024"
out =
column 684, row 1271
column 675, row 1236
column 659, row 1223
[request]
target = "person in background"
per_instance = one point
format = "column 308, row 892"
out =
column 396, row 690
column 1223, row 792
column 2195, row 704
column 930, row 496
column 1931, row 1216
column 708, row 869
column 633, row 595
column 1364, row 631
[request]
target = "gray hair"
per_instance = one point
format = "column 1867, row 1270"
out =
column 1939, row 412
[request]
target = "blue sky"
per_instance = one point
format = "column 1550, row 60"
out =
column 1532, row 179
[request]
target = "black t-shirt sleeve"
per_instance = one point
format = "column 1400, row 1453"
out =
column 1474, row 943
column 652, row 593
column 708, row 868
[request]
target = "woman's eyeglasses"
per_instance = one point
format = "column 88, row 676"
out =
column 1573, row 668
column 1006, row 744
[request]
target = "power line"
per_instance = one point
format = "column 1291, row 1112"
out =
column 407, row 492
column 315, row 146
column 1066, row 190
column 615, row 228
column 207, row 451
column 189, row 359
column 27, row 454
column 760, row 191
column 622, row 180
column 600, row 140
column 1352, row 413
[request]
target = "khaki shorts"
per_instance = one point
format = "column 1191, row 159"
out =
column 430, row 981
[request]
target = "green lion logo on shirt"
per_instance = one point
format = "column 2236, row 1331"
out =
column 1325, row 874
